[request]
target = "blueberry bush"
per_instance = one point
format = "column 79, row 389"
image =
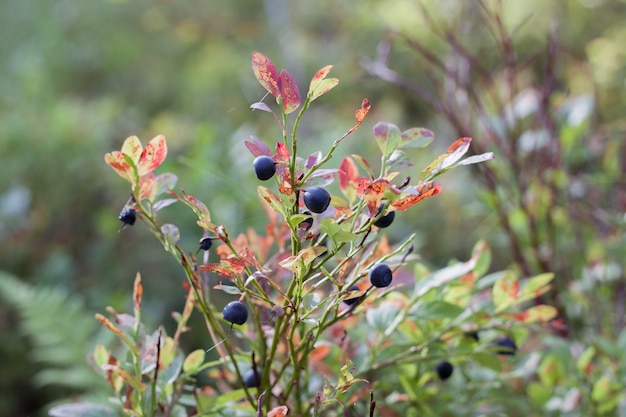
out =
column 321, row 314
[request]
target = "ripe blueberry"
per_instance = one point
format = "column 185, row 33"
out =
column 351, row 301
column 444, row 370
column 380, row 276
column 316, row 199
column 386, row 220
column 507, row 345
column 249, row 379
column 128, row 216
column 264, row 167
column 205, row 243
column 235, row 312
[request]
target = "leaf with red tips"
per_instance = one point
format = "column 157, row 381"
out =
column 152, row 156
column 364, row 164
column 271, row 199
column 302, row 259
column 348, row 178
column 257, row 147
column 289, row 92
column 505, row 291
column 266, row 73
column 137, row 294
column 199, row 208
column 320, row 84
column 424, row 190
column 120, row 163
column 283, row 152
column 536, row 314
column 448, row 159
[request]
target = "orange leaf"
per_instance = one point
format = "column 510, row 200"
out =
column 424, row 190
column 228, row 268
column 152, row 156
column 348, row 178
column 266, row 73
column 281, row 411
column 362, row 112
column 137, row 294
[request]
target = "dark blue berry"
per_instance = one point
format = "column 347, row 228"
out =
column 444, row 370
column 316, row 199
column 128, row 216
column 351, row 301
column 386, row 220
column 506, row 346
column 264, row 167
column 250, row 379
column 205, row 243
column 235, row 312
column 381, row 276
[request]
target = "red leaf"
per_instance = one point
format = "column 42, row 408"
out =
column 257, row 147
column 283, row 152
column 348, row 178
column 148, row 187
column 427, row 189
column 289, row 92
column 152, row 156
column 228, row 268
column 266, row 73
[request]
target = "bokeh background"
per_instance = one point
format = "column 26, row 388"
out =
column 78, row 77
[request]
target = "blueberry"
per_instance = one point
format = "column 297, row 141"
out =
column 444, row 369
column 205, row 243
column 351, row 301
column 316, row 199
column 249, row 379
column 128, row 216
column 386, row 220
column 264, row 167
column 380, row 276
column 507, row 345
column 235, row 312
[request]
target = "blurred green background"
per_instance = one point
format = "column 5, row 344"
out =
column 78, row 77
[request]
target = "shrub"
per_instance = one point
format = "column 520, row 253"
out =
column 292, row 338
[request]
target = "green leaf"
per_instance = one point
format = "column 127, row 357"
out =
column 295, row 220
column 171, row 233
column 439, row 310
column 272, row 200
column 444, row 275
column 388, row 137
column 320, row 84
column 82, row 410
column 417, row 137
column 537, row 285
column 482, row 254
column 505, row 291
column 302, row 259
column 338, row 232
column 488, row 360
column 193, row 361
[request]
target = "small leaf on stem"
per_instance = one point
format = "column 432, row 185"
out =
column 266, row 73
column 257, row 147
column 289, row 92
